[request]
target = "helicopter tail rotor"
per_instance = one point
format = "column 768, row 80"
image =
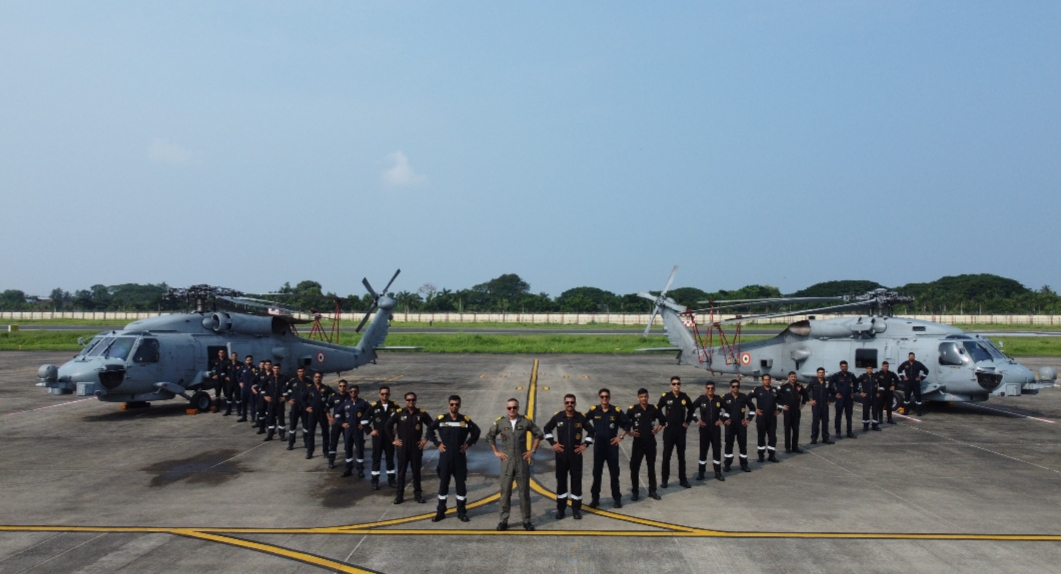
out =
column 375, row 298
column 660, row 301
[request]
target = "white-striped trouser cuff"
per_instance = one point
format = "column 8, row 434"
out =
column 375, row 473
column 573, row 497
column 349, row 460
column 717, row 461
column 744, row 456
column 462, row 498
column 703, row 462
column 442, row 497
column 729, row 456
column 564, row 495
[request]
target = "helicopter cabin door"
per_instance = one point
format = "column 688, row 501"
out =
column 145, row 364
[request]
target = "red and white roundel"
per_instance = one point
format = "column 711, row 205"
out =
column 320, row 357
column 746, row 359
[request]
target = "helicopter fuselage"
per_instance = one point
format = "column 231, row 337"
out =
column 962, row 366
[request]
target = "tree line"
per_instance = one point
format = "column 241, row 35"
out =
column 962, row 294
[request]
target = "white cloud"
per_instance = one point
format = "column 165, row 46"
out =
column 162, row 151
column 401, row 174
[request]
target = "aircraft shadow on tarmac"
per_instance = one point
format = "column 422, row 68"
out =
column 152, row 412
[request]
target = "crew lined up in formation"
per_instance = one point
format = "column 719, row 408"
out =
column 276, row 404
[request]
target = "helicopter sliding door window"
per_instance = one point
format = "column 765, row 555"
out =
column 147, row 351
column 865, row 358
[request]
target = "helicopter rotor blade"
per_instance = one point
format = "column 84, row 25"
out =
column 393, row 277
column 845, row 306
column 371, row 291
column 771, row 301
column 651, row 320
column 670, row 280
column 364, row 320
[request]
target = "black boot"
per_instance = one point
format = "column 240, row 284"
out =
column 744, row 465
column 594, row 503
column 851, row 434
column 440, row 512
column 876, row 426
column 462, row 511
column 729, row 463
column 772, row 457
column 576, row 509
column 561, row 507
column 392, row 481
column 700, row 473
column 762, row 456
column 375, row 482
column 865, row 427
column 635, row 494
column 718, row 473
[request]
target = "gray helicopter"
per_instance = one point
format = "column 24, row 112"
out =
column 962, row 366
column 168, row 356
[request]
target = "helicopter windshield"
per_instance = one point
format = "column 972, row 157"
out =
column 976, row 351
column 88, row 348
column 99, row 347
column 993, row 350
column 119, row 349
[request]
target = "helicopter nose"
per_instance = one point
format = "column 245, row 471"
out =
column 87, row 378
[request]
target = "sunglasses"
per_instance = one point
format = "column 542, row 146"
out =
column 454, row 404
column 675, row 384
column 384, row 394
column 605, row 396
column 410, row 400
column 512, row 408
column 569, row 402
column 734, row 386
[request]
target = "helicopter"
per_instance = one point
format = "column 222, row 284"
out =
column 962, row 367
column 161, row 358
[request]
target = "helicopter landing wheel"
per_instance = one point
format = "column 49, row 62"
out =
column 201, row 401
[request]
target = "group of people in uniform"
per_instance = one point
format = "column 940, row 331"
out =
column 264, row 396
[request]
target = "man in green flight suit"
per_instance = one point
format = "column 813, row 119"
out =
column 515, row 460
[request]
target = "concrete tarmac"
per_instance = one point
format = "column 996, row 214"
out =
column 87, row 487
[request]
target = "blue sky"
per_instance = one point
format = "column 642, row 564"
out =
column 597, row 143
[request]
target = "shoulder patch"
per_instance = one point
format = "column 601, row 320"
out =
column 440, row 417
column 375, row 403
column 663, row 395
column 556, row 413
column 467, row 419
column 593, row 408
column 631, row 407
column 498, row 419
column 423, row 411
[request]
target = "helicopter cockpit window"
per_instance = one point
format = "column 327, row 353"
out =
column 120, row 348
column 993, row 350
column 147, row 351
column 101, row 346
column 977, row 352
column 951, row 353
column 88, row 348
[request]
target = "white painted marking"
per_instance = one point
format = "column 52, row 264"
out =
column 1012, row 413
column 126, row 554
column 971, row 445
column 49, row 406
